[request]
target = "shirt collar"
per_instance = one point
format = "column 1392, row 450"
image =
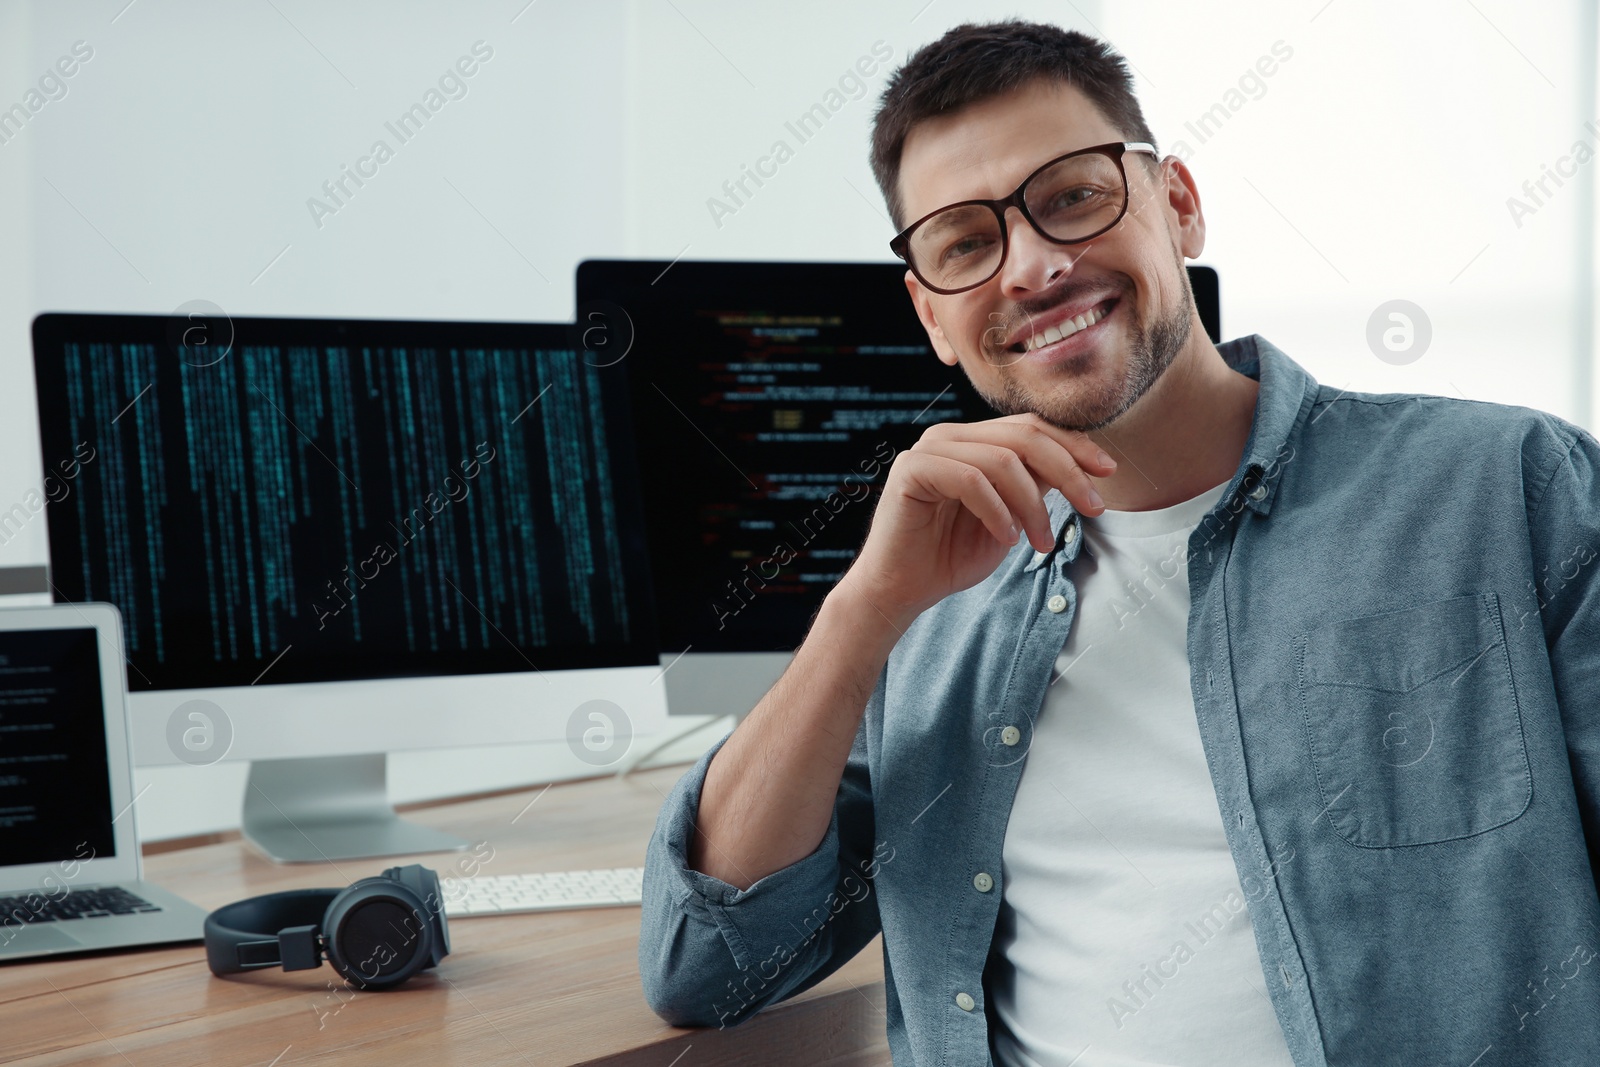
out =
column 1287, row 392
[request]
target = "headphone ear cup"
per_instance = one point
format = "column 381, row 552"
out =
column 424, row 882
column 378, row 933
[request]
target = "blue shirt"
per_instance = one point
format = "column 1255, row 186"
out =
column 1394, row 649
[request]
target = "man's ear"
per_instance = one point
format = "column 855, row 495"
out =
column 920, row 299
column 1183, row 196
column 1171, row 192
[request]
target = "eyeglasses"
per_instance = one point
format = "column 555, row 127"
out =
column 1069, row 200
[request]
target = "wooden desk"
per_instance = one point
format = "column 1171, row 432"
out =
column 552, row 988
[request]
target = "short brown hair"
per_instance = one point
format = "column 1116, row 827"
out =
column 974, row 62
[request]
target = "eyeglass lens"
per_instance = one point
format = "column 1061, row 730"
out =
column 1074, row 199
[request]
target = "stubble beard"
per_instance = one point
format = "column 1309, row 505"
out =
column 1081, row 403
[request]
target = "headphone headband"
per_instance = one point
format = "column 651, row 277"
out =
column 238, row 936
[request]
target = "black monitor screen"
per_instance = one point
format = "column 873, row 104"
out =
column 295, row 500
column 769, row 400
column 55, row 783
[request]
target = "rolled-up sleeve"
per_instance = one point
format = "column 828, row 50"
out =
column 711, row 954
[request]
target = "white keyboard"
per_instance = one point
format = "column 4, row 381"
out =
column 508, row 894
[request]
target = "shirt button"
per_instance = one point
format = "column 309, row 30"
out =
column 1057, row 603
column 1070, row 532
column 1258, row 492
column 1010, row 735
column 965, row 1002
column 982, row 882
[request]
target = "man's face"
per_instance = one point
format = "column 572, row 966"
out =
column 1132, row 274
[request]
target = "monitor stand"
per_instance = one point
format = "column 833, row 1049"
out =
column 331, row 808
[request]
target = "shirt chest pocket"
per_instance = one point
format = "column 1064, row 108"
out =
column 1412, row 722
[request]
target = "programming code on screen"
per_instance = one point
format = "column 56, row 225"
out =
column 769, row 402
column 806, row 412
column 55, row 795
column 313, row 512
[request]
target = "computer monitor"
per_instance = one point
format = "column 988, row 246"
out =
column 330, row 540
column 768, row 400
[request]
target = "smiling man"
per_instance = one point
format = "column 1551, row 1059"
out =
column 1277, row 741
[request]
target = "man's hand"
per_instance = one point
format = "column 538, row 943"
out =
column 952, row 504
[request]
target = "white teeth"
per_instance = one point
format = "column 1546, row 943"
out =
column 1066, row 329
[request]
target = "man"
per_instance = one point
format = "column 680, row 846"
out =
column 1273, row 736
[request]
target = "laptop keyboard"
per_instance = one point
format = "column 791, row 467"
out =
column 90, row 903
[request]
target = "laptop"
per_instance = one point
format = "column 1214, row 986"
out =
column 70, row 870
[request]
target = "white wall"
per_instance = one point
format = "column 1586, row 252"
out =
column 20, row 468
column 1375, row 165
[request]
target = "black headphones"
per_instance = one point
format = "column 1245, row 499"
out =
column 376, row 933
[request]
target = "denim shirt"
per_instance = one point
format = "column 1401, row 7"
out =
column 1394, row 649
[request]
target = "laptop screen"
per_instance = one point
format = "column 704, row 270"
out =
column 55, row 792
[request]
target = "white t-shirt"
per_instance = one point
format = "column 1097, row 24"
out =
column 1123, row 937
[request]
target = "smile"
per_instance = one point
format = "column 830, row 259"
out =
column 1067, row 328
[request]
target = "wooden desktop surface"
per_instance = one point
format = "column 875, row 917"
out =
column 550, row 988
